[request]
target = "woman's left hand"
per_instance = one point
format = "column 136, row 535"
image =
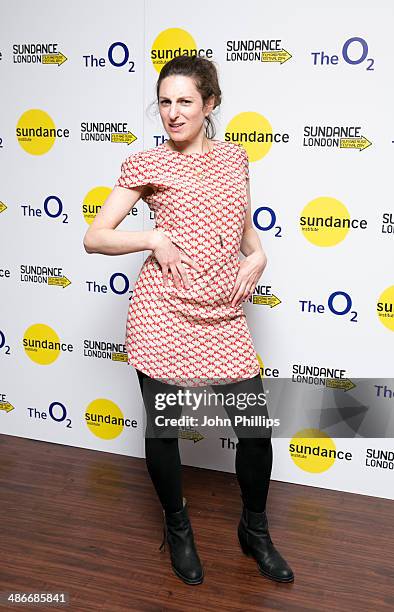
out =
column 250, row 270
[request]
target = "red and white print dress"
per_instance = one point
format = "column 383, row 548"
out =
column 192, row 337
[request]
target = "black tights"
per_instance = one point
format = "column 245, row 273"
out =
column 253, row 459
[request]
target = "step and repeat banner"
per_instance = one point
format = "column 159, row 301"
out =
column 307, row 91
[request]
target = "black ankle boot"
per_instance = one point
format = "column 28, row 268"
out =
column 255, row 541
column 178, row 532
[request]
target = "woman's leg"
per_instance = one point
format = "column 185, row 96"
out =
column 162, row 455
column 253, row 468
column 164, row 466
column 253, row 465
column 253, row 459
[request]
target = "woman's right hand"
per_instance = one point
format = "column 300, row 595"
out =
column 170, row 258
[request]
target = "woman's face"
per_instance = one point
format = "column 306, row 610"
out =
column 181, row 108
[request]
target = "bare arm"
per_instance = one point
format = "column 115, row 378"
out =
column 102, row 235
column 250, row 243
column 254, row 263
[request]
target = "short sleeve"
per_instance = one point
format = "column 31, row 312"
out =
column 133, row 173
column 245, row 161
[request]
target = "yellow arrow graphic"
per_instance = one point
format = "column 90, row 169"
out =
column 127, row 138
column 119, row 357
column 191, row 434
column 53, row 58
column 6, row 406
column 340, row 383
column 355, row 143
column 59, row 281
column 280, row 56
column 266, row 300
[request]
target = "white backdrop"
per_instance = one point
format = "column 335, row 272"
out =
column 86, row 70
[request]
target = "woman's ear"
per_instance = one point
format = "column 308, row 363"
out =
column 210, row 104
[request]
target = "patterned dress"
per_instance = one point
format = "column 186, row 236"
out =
column 192, row 337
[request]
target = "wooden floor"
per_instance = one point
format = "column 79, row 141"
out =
column 89, row 524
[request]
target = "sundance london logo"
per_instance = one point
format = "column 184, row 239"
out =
column 47, row 54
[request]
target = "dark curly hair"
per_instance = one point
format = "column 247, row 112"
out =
column 205, row 76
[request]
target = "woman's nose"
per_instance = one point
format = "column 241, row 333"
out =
column 173, row 112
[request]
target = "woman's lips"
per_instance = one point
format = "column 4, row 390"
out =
column 176, row 128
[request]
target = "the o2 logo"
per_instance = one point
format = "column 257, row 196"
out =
column 57, row 412
column 4, row 348
column 52, row 208
column 264, row 218
column 354, row 52
column 118, row 55
column 339, row 303
column 118, row 284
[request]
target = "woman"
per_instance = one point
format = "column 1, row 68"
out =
column 186, row 326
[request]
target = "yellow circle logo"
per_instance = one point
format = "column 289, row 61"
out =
column 385, row 308
column 249, row 130
column 93, row 201
column 171, row 43
column 324, row 221
column 312, row 450
column 104, row 419
column 36, row 132
column 41, row 344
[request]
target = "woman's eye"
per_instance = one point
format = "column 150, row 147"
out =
column 183, row 101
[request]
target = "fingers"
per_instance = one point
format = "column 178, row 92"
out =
column 192, row 263
column 248, row 292
column 164, row 272
column 175, row 275
column 237, row 290
column 241, row 292
column 238, row 297
column 178, row 276
column 179, row 273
